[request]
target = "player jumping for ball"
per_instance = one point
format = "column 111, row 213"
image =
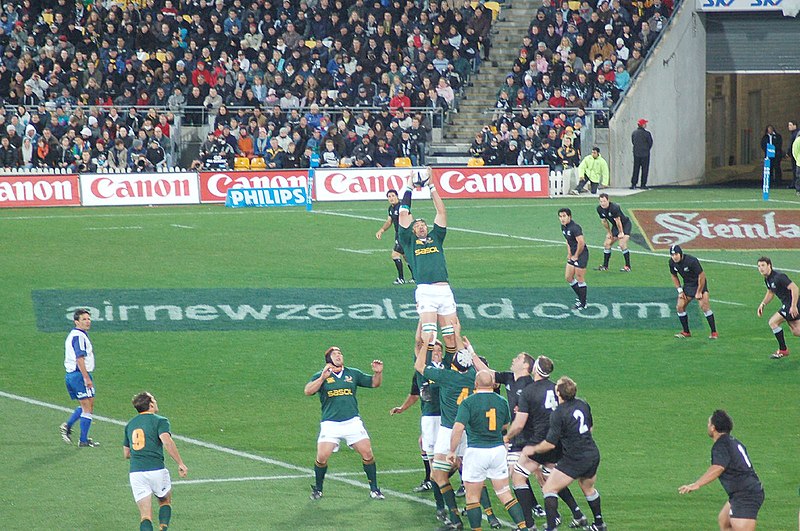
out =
column 424, row 251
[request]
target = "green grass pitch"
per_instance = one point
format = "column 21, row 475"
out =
column 234, row 394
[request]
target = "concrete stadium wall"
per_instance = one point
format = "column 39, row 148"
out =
column 670, row 93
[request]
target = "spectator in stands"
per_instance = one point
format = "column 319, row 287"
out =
column 329, row 157
column 244, row 143
column 9, row 156
column 384, row 154
column 118, row 156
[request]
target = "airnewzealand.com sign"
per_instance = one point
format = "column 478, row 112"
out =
column 118, row 310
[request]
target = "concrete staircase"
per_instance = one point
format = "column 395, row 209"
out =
column 474, row 110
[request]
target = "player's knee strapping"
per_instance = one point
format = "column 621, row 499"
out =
column 522, row 471
column 429, row 328
column 448, row 330
column 593, row 497
column 443, row 466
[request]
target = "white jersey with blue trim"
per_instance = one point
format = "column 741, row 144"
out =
column 77, row 346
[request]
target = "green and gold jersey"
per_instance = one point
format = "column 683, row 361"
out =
column 484, row 414
column 338, row 393
column 454, row 387
column 426, row 256
column 143, row 437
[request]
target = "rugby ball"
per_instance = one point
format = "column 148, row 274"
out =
column 420, row 178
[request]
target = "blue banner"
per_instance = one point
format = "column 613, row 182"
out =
column 266, row 197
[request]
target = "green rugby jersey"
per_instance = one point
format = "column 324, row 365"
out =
column 337, row 395
column 430, row 407
column 142, row 436
column 426, row 256
column 484, row 414
column 454, row 387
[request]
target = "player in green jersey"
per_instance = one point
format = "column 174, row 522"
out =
column 423, row 248
column 484, row 415
column 146, row 436
column 427, row 393
column 337, row 386
column 454, row 387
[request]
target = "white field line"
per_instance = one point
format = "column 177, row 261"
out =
column 543, row 240
column 305, row 472
column 134, row 227
column 288, row 476
column 475, row 248
column 181, row 226
column 727, row 302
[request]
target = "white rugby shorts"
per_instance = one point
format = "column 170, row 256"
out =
column 482, row 463
column 435, row 298
column 429, row 428
column 143, row 484
column 442, row 445
column 351, row 430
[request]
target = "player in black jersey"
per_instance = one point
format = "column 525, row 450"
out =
column 397, row 250
column 779, row 285
column 731, row 464
column 531, row 423
column 577, row 256
column 694, row 286
column 571, row 426
column 618, row 229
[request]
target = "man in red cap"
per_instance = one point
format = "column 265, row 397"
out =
column 642, row 142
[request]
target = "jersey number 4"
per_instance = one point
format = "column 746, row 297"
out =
column 137, row 439
column 550, row 401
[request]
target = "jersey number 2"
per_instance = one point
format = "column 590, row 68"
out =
column 137, row 438
column 582, row 427
column 492, row 416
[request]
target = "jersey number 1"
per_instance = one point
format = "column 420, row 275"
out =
column 492, row 416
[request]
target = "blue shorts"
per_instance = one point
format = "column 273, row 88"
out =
column 76, row 388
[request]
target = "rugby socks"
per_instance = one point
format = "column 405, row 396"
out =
column 164, row 514
column 779, row 336
column 515, row 512
column 606, row 257
column 427, row 464
column 398, row 263
column 581, row 291
column 627, row 254
column 551, row 508
column 86, row 423
column 450, row 500
column 527, row 501
column 574, row 286
column 711, row 322
column 372, row 473
column 437, row 495
column 474, row 516
column 684, row 319
column 146, row 525
column 319, row 473
column 74, row 417
column 594, row 505
column 566, row 495
column 486, row 503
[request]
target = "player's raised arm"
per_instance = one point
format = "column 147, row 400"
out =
column 438, row 204
column 405, row 218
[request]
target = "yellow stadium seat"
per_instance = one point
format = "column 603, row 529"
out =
column 258, row 163
column 494, row 7
column 241, row 163
column 475, row 161
column 402, row 162
column 311, row 44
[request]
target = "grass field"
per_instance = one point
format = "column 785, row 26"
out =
column 232, row 385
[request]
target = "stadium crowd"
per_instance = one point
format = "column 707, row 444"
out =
column 576, row 56
column 87, row 85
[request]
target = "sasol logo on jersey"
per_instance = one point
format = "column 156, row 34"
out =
column 340, row 392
